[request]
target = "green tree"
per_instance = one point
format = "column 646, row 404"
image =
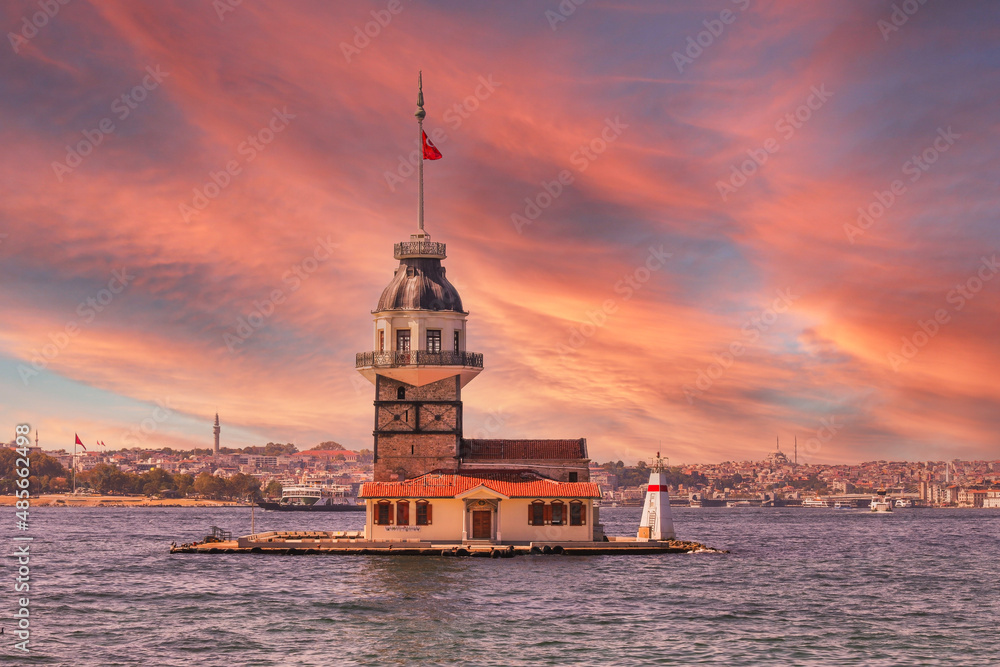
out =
column 273, row 489
column 244, row 486
column 183, row 483
column 105, row 478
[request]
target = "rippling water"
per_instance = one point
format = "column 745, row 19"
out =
column 801, row 587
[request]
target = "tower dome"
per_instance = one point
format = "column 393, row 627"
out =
column 419, row 282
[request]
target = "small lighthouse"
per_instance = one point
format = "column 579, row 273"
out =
column 657, row 523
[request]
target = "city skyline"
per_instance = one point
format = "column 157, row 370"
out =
column 758, row 222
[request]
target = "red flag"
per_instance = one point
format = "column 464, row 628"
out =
column 79, row 442
column 430, row 150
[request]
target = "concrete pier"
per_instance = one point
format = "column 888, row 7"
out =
column 350, row 543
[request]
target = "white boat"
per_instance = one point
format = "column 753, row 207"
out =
column 880, row 503
column 904, row 503
column 738, row 503
column 843, row 505
column 815, row 502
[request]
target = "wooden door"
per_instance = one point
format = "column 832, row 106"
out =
column 481, row 524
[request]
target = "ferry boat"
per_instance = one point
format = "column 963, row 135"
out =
column 739, row 503
column 880, row 503
column 904, row 503
column 815, row 502
column 312, row 498
column 843, row 505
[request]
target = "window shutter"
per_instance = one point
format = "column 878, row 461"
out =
column 548, row 514
column 531, row 514
column 429, row 513
column 583, row 514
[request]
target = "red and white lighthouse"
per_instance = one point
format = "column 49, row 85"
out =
column 657, row 523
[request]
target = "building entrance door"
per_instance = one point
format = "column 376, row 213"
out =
column 481, row 524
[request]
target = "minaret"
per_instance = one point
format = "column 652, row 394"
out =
column 657, row 522
column 419, row 361
column 217, row 430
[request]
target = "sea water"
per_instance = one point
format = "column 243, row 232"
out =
column 799, row 587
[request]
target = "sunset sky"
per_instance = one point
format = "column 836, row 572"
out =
column 699, row 282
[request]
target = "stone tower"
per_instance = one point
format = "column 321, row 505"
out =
column 419, row 365
column 217, row 430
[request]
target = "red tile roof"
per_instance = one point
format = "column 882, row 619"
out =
column 449, row 485
column 526, row 450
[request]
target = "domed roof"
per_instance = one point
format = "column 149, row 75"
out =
column 420, row 284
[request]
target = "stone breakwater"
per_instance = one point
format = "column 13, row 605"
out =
column 353, row 543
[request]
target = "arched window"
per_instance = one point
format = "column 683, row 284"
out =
column 401, row 393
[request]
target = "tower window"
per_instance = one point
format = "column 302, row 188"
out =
column 402, row 340
column 400, row 393
column 434, row 340
column 456, row 341
column 574, row 477
column 381, row 340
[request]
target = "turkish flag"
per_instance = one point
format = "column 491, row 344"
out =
column 79, row 442
column 430, row 150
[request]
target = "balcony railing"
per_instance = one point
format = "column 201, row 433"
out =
column 395, row 359
column 419, row 249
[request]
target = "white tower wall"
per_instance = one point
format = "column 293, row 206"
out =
column 657, row 522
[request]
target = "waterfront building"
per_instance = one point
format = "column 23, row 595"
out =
column 419, row 364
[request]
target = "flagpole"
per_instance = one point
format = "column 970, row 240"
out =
column 420, row 114
column 74, row 464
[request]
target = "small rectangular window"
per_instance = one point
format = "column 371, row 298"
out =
column 457, row 338
column 536, row 514
column 577, row 516
column 557, row 514
column 381, row 340
column 383, row 514
column 574, row 477
column 434, row 340
column 403, row 513
column 423, row 513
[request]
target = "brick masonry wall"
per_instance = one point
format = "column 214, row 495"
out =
column 448, row 389
column 430, row 451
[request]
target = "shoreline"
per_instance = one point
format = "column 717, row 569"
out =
column 70, row 500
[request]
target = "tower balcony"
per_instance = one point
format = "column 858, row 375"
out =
column 431, row 249
column 419, row 367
